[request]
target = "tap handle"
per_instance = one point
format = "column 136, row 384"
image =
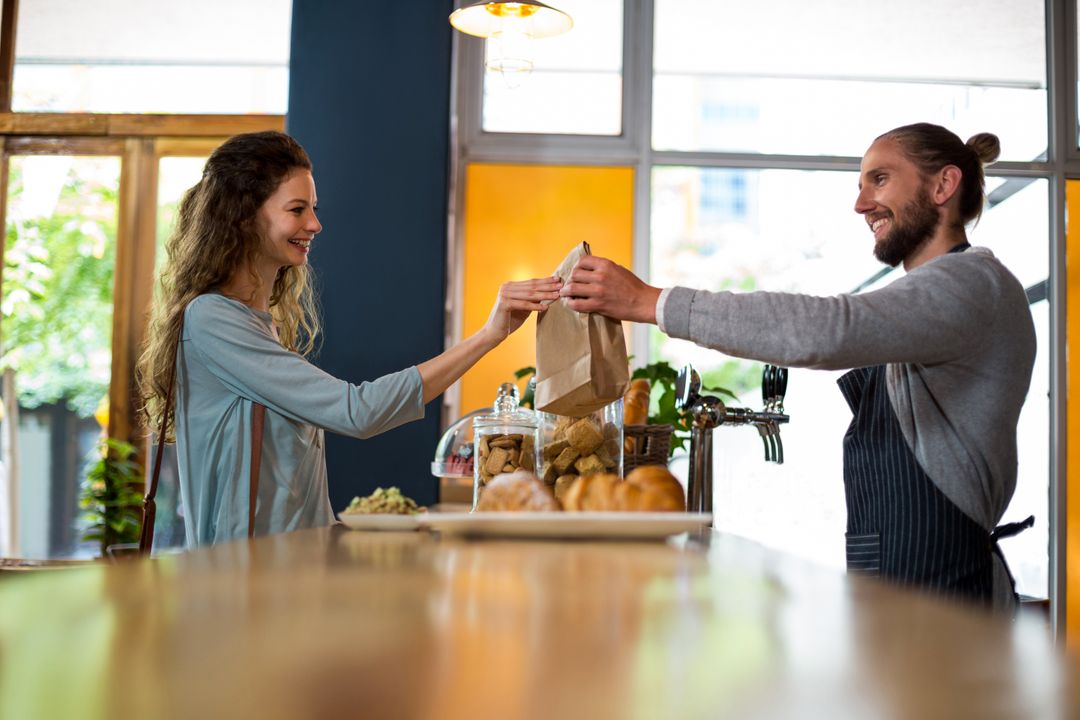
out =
column 778, row 456
column 764, row 433
column 687, row 387
column 781, row 387
column 767, row 391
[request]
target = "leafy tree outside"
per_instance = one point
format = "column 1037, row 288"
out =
column 57, row 301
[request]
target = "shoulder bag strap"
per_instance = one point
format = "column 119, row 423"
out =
column 258, row 413
column 146, row 534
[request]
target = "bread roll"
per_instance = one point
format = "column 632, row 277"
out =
column 516, row 492
column 590, row 493
column 658, row 491
column 635, row 408
column 636, row 403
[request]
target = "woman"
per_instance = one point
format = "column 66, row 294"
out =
column 237, row 284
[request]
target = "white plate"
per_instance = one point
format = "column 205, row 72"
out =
column 380, row 521
column 595, row 525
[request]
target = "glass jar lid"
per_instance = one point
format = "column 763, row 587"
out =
column 506, row 412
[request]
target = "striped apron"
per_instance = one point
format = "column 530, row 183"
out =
column 900, row 527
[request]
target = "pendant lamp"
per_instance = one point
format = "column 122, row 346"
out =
column 510, row 27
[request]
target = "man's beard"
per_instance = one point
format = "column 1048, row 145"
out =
column 904, row 237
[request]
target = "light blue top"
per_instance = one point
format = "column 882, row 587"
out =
column 230, row 357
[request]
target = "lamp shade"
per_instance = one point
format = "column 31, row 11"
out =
column 485, row 18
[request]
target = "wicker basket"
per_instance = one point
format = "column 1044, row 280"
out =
column 651, row 445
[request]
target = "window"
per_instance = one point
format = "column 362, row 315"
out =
column 59, row 270
column 576, row 83
column 747, row 123
column 84, row 197
column 123, row 56
column 827, row 82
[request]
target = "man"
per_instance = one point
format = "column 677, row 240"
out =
column 943, row 360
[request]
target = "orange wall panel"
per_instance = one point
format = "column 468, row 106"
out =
column 1072, row 474
column 520, row 222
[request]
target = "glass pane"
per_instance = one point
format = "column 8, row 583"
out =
column 575, row 86
column 121, row 56
column 829, row 82
column 795, row 231
column 175, row 176
column 57, row 308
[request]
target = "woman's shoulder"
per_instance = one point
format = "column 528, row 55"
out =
column 216, row 303
column 211, row 310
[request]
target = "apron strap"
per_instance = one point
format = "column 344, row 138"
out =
column 1006, row 531
column 1009, row 529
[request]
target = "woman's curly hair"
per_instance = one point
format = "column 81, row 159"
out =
column 216, row 233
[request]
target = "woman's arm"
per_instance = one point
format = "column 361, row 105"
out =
column 516, row 300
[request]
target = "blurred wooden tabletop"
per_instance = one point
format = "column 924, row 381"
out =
column 338, row 623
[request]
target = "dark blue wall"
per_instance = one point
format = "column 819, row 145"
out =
column 369, row 94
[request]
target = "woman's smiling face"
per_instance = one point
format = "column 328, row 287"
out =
column 287, row 222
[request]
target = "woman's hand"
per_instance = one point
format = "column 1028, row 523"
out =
column 516, row 300
column 601, row 286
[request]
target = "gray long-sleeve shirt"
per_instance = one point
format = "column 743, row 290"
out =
column 229, row 358
column 956, row 335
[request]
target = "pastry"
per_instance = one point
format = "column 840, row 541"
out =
column 591, row 492
column 516, row 492
column 636, row 402
column 650, row 488
column 657, row 491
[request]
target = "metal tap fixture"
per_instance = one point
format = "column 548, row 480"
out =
column 709, row 412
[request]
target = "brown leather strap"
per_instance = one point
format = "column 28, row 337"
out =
column 146, row 532
column 258, row 413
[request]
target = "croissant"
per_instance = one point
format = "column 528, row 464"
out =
column 650, row 488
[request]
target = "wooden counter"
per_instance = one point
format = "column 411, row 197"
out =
column 334, row 624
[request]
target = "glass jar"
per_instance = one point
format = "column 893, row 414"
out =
column 586, row 445
column 505, row 441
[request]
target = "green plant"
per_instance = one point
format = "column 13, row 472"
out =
column 662, row 408
column 527, row 398
column 112, row 504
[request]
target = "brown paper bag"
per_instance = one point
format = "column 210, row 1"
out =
column 581, row 363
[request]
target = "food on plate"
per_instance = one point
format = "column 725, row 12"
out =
column 591, row 492
column 388, row 501
column 562, row 484
column 579, row 446
column 517, row 492
column 505, row 453
column 650, row 488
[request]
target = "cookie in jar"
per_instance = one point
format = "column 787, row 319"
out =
column 505, row 441
column 579, row 446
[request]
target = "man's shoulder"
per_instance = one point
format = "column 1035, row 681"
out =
column 976, row 264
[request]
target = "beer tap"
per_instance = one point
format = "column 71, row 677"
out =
column 709, row 412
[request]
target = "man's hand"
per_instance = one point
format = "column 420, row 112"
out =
column 516, row 300
column 599, row 285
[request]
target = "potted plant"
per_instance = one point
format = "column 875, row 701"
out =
column 112, row 504
column 661, row 377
